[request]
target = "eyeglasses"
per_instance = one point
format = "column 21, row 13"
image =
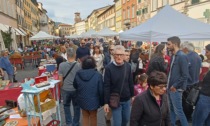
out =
column 121, row 55
column 162, row 86
column 82, row 43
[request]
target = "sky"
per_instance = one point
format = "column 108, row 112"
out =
column 63, row 10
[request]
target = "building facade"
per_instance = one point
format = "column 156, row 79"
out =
column 107, row 19
column 129, row 19
column 180, row 5
column 92, row 18
column 143, row 11
column 51, row 26
column 72, row 30
column 80, row 27
column 64, row 29
column 43, row 18
column 8, row 13
column 35, row 17
column 118, row 15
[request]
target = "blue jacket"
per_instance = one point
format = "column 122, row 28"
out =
column 89, row 87
column 179, row 71
column 6, row 65
column 194, row 68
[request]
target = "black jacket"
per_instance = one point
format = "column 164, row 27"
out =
column 157, row 63
column 113, row 80
column 146, row 112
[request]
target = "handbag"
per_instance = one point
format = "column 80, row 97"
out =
column 193, row 95
column 114, row 101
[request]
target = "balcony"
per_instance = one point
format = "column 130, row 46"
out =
column 127, row 21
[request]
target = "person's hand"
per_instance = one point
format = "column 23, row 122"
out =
column 173, row 89
column 106, row 108
column 132, row 99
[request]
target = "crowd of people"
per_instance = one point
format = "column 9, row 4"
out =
column 131, row 87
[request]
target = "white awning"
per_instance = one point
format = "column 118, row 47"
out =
column 23, row 31
column 20, row 32
column 3, row 28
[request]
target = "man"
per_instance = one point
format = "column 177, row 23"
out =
column 6, row 65
column 108, row 57
column 82, row 51
column 118, row 79
column 194, row 72
column 177, row 80
column 67, row 89
column 127, row 56
column 72, row 45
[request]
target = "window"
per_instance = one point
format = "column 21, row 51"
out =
column 128, row 13
column 144, row 11
column 195, row 1
column 165, row 2
column 124, row 14
column 133, row 11
column 138, row 12
column 154, row 5
column 139, row 1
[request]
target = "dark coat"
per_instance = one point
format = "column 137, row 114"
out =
column 89, row 87
column 157, row 63
column 146, row 112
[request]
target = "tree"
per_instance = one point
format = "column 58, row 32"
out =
column 7, row 37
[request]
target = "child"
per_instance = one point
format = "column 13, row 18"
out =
column 141, row 85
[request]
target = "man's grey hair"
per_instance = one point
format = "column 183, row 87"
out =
column 119, row 47
column 3, row 52
column 71, row 52
column 189, row 46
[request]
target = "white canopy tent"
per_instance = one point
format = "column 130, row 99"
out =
column 106, row 32
column 42, row 35
column 89, row 33
column 166, row 23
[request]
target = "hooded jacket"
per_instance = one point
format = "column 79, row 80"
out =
column 89, row 87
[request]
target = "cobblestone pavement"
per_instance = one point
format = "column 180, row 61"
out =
column 29, row 72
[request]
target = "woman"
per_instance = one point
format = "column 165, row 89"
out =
column 91, row 49
column 157, row 61
column 99, row 58
column 201, row 114
column 89, row 86
column 151, row 107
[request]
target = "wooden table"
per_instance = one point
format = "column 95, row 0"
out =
column 23, row 121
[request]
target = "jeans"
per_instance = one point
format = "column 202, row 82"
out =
column 69, row 96
column 201, row 114
column 176, row 110
column 121, row 115
column 89, row 118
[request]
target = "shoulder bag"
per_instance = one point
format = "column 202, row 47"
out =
column 114, row 101
column 69, row 71
column 193, row 95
